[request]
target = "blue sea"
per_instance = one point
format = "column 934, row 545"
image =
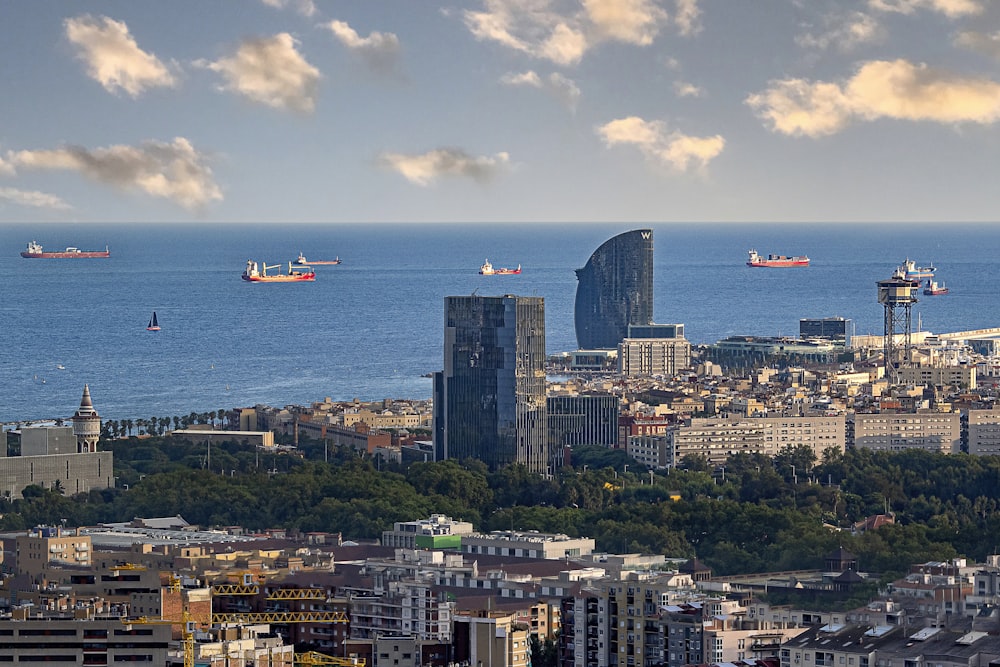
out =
column 371, row 327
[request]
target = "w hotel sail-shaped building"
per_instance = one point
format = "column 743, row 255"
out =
column 489, row 402
column 615, row 290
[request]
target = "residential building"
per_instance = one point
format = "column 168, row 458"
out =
column 983, row 432
column 67, row 639
column 893, row 431
column 489, row 401
column 491, row 638
column 615, row 290
column 719, row 438
column 961, row 376
column 653, row 356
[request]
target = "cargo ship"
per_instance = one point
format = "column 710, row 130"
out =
column 909, row 270
column 34, row 251
column 258, row 274
column 302, row 261
column 488, row 269
column 756, row 260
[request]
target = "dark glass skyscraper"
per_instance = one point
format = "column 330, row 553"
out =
column 615, row 290
column 489, row 401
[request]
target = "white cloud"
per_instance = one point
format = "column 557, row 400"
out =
column 562, row 31
column 564, row 46
column 896, row 89
column 425, row 168
column 113, row 58
column 270, row 70
column 529, row 78
column 843, row 32
column 6, row 168
column 981, row 42
column 688, row 17
column 632, row 21
column 557, row 85
column 33, row 199
column 305, row 7
column 685, row 89
column 380, row 50
column 950, row 8
column 674, row 149
column 174, row 171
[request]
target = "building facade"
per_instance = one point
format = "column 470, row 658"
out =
column 983, row 427
column 615, row 290
column 653, row 356
column 717, row 439
column 585, row 419
column 893, row 432
column 489, row 401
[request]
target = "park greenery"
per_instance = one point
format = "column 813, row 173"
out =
column 756, row 514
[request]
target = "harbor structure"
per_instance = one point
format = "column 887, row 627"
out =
column 897, row 298
column 615, row 290
column 489, row 401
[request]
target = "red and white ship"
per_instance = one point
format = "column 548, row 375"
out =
column 934, row 288
column 488, row 269
column 255, row 273
column 756, row 260
column 34, row 251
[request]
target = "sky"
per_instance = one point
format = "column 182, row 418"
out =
column 491, row 111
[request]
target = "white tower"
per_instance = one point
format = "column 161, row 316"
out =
column 86, row 424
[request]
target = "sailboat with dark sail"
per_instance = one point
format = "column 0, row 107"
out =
column 153, row 324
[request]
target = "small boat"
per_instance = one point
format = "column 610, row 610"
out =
column 302, row 261
column 153, row 324
column 910, row 271
column 34, row 251
column 757, row 260
column 60, row 367
column 254, row 273
column 488, row 269
column 934, row 288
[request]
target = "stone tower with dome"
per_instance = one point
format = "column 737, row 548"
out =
column 86, row 424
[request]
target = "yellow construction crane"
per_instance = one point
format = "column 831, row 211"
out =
column 314, row 658
column 187, row 631
column 247, row 587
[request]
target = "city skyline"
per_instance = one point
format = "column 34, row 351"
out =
column 499, row 110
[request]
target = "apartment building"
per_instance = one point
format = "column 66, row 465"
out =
column 894, row 432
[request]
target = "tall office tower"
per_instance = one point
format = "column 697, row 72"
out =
column 615, row 290
column 86, row 424
column 489, row 401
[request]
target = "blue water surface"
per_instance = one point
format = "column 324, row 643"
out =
column 371, row 327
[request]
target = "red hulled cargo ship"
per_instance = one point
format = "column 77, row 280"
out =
column 34, row 251
column 756, row 260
